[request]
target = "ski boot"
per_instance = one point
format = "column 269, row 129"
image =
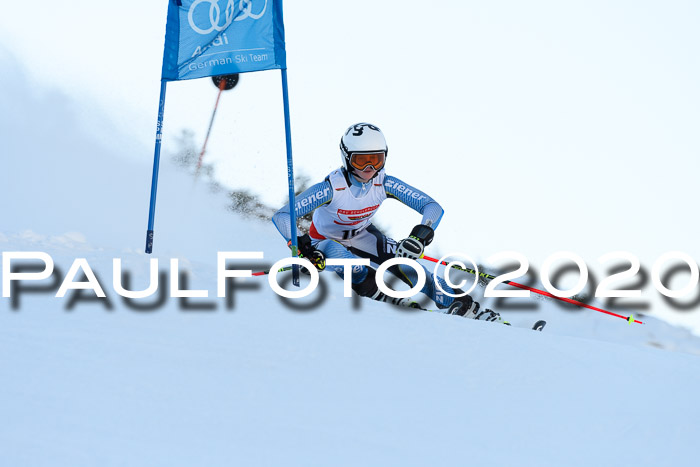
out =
column 466, row 306
column 407, row 302
column 368, row 288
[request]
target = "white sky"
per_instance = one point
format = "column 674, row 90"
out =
column 539, row 126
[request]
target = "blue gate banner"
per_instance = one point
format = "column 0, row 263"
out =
column 218, row 37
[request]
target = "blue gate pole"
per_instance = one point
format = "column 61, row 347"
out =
column 290, row 177
column 156, row 165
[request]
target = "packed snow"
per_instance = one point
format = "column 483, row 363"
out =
column 252, row 380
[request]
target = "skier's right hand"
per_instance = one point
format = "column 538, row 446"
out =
column 308, row 252
column 413, row 246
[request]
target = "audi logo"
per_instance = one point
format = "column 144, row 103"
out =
column 214, row 21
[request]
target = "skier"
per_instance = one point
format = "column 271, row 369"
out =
column 343, row 205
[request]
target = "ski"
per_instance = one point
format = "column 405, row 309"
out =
column 538, row 326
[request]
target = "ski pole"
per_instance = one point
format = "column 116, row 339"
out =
column 630, row 319
column 224, row 83
column 267, row 271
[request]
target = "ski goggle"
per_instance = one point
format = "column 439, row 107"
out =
column 362, row 160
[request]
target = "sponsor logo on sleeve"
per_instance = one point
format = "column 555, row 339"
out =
column 313, row 198
column 401, row 188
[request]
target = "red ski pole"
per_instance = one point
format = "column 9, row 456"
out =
column 262, row 273
column 630, row 319
column 224, row 83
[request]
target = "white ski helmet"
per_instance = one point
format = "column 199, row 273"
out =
column 363, row 145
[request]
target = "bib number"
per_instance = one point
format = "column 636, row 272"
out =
column 348, row 234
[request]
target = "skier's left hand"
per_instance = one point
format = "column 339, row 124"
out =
column 413, row 246
column 307, row 251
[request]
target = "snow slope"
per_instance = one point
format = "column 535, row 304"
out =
column 255, row 382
